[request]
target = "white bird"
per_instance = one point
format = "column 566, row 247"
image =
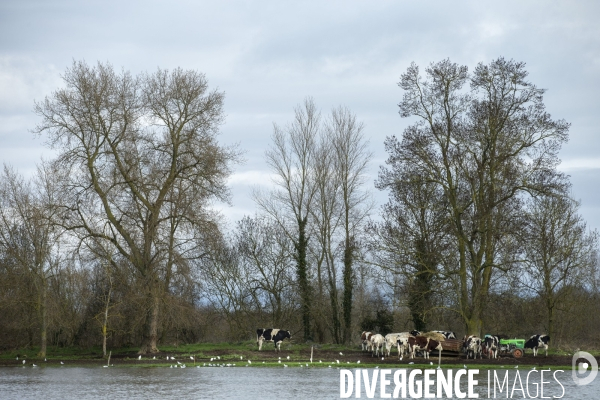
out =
column 337, row 361
column 172, row 358
column 502, row 366
column 140, row 357
column 218, row 357
column 204, row 364
column 320, row 361
column 249, row 362
column 358, row 362
column 211, row 359
column 400, row 358
column 516, row 367
column 347, row 362
column 288, row 357
column 183, row 366
column 279, row 361
column 280, row 358
column 23, row 362
column 154, row 358
column 465, row 366
column 382, row 358
column 171, row 366
column 62, row 363
column 533, row 369
column 241, row 357
column 33, row 365
column 284, row 365
column 178, row 363
column 329, row 366
column 377, row 366
column 439, row 367
column 430, row 362
column 45, row 359
column 411, row 362
column 191, row 358
column 307, row 365
column 263, row 362
column 106, row 366
column 341, row 354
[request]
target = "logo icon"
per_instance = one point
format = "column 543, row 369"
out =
column 581, row 368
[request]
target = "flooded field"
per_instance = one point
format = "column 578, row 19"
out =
column 234, row 382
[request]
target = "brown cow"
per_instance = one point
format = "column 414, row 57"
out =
column 365, row 340
column 424, row 344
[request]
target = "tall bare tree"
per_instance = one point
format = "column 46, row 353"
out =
column 130, row 145
column 291, row 158
column 351, row 156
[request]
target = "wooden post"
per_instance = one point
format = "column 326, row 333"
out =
column 108, row 363
column 311, row 354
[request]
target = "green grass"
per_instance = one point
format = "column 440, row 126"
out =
column 231, row 352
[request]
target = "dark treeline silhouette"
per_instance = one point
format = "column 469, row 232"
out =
column 115, row 241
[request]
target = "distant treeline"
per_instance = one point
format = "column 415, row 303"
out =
column 115, row 241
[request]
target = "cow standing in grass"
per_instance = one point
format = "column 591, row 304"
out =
column 537, row 342
column 271, row 335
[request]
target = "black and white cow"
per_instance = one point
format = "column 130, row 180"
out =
column 537, row 342
column 271, row 335
column 472, row 345
column 415, row 333
column 447, row 334
column 491, row 344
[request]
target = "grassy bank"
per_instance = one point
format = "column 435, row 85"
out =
column 246, row 354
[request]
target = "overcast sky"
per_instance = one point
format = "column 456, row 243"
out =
column 267, row 56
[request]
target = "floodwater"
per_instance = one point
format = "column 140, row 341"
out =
column 237, row 383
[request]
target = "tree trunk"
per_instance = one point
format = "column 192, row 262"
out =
column 43, row 318
column 302, row 275
column 347, row 299
column 150, row 339
column 473, row 325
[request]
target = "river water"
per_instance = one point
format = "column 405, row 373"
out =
column 229, row 383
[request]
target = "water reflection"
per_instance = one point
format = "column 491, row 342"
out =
column 220, row 383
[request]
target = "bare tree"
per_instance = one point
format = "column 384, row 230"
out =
column 291, row 159
column 561, row 254
column 28, row 237
column 129, row 144
column 326, row 219
column 351, row 158
column 267, row 253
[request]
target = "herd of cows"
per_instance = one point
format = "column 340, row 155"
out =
column 414, row 342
